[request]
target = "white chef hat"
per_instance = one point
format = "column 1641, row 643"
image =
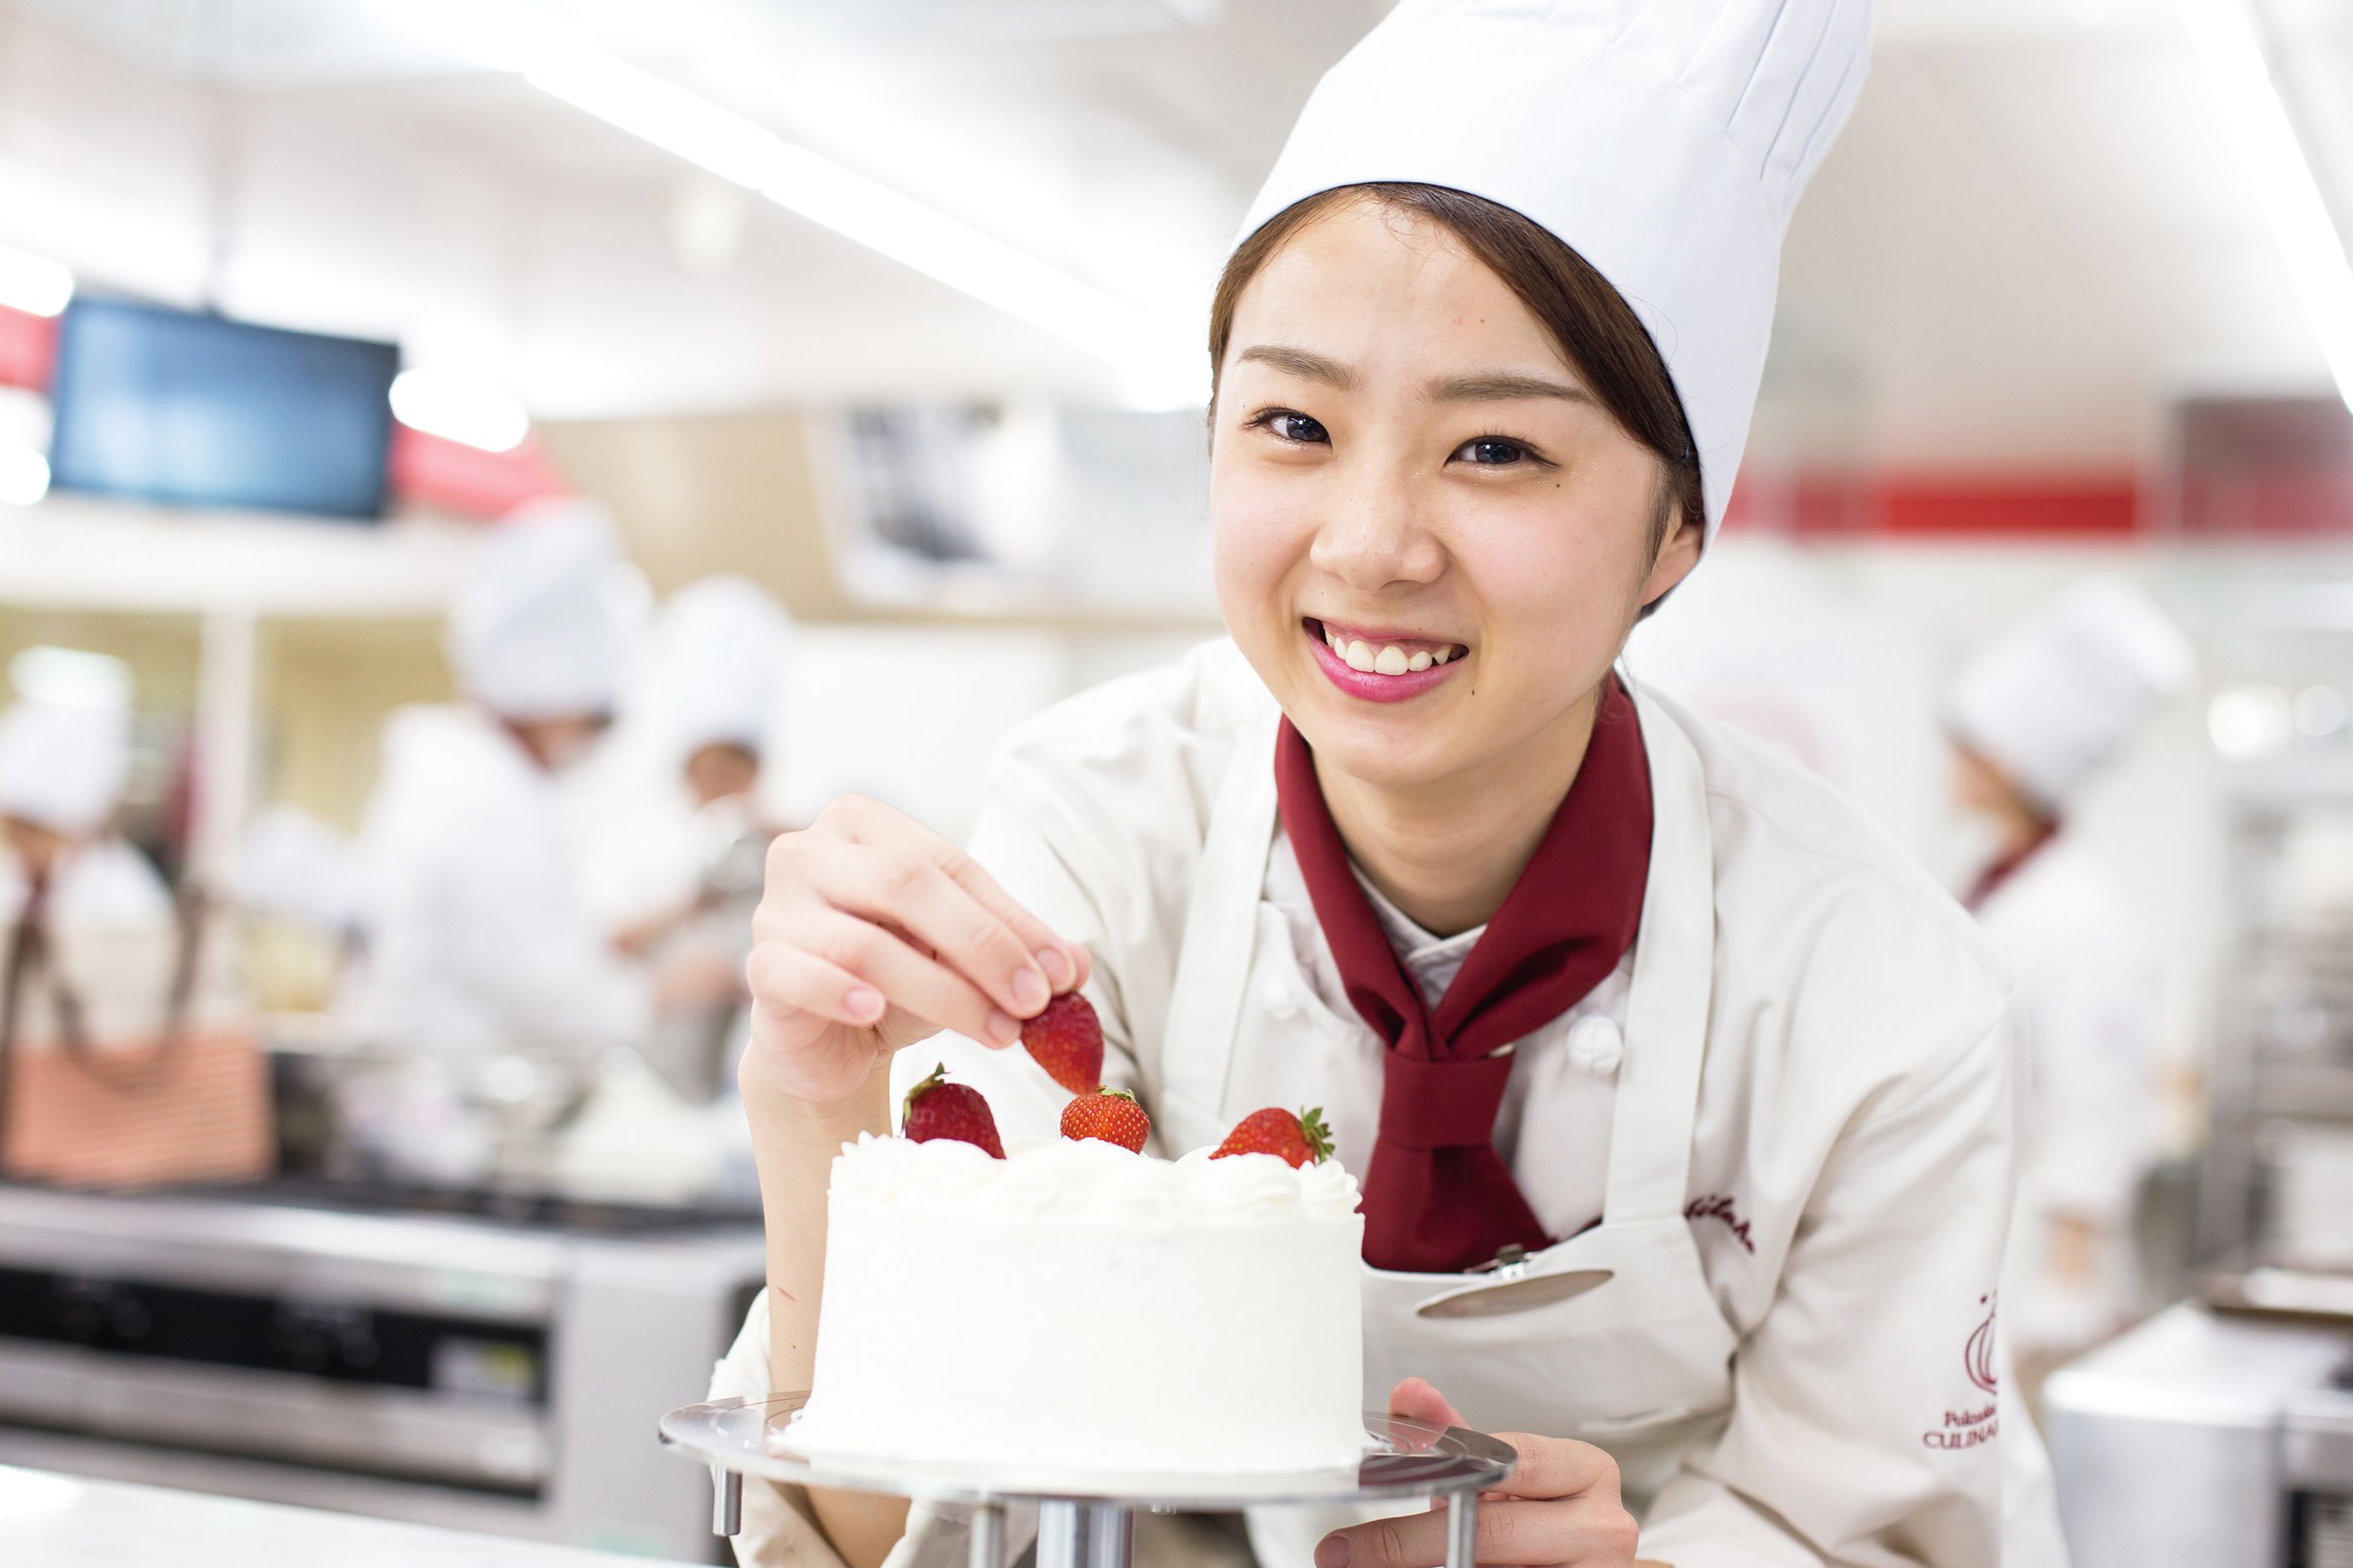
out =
column 723, row 641
column 533, row 633
column 62, row 764
column 2062, row 693
column 1664, row 141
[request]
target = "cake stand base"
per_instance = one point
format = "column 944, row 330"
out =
column 1078, row 1535
column 1086, row 1518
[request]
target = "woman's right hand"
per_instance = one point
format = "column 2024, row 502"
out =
column 873, row 932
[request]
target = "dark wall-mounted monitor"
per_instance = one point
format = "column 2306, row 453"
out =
column 197, row 410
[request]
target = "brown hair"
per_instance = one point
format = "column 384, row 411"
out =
column 1586, row 315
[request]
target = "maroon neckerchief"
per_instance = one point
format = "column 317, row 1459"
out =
column 1438, row 1198
column 1991, row 879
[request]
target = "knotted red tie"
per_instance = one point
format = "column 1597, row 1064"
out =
column 1438, row 1198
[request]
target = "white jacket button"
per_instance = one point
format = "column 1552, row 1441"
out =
column 1282, row 998
column 1596, row 1046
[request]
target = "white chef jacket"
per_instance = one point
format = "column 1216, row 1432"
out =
column 2085, row 976
column 103, row 884
column 479, row 939
column 1848, row 1175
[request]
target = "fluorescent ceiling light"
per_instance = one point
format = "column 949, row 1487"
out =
column 2230, row 47
column 34, row 283
column 652, row 109
column 23, row 476
column 460, row 409
column 1163, row 367
column 955, row 254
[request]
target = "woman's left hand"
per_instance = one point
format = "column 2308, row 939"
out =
column 1560, row 1506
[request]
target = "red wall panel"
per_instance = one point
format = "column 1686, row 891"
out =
column 452, row 477
column 28, row 349
column 2103, row 506
column 1993, row 505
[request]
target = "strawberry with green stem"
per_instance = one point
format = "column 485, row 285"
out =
column 1296, row 1141
column 938, row 1109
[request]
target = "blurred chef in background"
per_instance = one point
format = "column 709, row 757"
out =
column 721, row 645
column 485, row 966
column 126, row 1055
column 64, row 755
column 72, row 891
column 2033, row 721
column 686, row 872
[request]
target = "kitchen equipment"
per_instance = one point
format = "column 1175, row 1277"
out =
column 2202, row 1439
column 2281, row 1155
column 485, row 1360
column 1084, row 1518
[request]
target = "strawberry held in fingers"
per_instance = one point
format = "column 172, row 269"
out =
column 1108, row 1114
column 1301, row 1140
column 1067, row 1040
column 938, row 1109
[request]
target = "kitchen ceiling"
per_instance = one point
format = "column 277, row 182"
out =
column 2032, row 234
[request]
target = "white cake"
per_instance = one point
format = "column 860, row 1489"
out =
column 1074, row 1305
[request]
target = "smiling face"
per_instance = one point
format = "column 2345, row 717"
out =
column 1431, row 538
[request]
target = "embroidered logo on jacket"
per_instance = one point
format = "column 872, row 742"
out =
column 1717, row 1207
column 1978, row 1354
column 1967, row 1429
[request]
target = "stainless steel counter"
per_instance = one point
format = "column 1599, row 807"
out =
column 2199, row 1440
column 50, row 1520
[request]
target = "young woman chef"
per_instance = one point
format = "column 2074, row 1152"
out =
column 1568, row 968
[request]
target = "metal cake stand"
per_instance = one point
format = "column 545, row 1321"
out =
column 1086, row 1519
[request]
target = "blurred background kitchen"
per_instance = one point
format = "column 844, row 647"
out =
column 471, row 472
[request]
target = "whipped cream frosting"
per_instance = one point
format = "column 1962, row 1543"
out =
column 1087, row 1178
column 1225, row 1292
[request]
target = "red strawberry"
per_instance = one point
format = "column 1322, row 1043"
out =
column 1109, row 1114
column 1066, row 1040
column 938, row 1109
column 1295, row 1140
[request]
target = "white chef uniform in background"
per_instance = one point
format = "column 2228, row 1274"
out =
column 62, row 767
column 689, row 877
column 712, row 680
column 2048, row 706
column 1791, row 1113
column 481, row 949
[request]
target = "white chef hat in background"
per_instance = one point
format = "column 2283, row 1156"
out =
column 723, row 642
column 65, row 748
column 533, row 633
column 2062, row 693
column 62, row 764
column 1664, row 141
